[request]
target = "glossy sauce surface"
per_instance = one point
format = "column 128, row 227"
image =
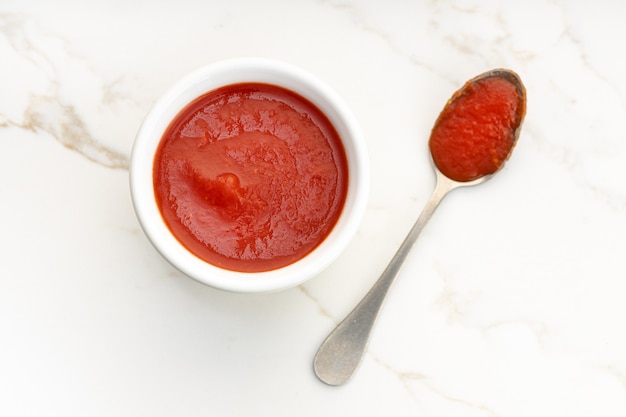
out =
column 250, row 177
column 475, row 133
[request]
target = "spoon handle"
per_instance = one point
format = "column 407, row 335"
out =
column 341, row 352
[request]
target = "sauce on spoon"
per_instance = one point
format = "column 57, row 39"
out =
column 476, row 131
column 470, row 141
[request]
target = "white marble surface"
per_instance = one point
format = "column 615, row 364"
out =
column 511, row 304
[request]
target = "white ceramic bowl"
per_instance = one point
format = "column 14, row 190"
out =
column 232, row 72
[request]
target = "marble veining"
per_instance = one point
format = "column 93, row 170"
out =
column 47, row 111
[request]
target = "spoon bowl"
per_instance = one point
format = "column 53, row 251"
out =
column 340, row 354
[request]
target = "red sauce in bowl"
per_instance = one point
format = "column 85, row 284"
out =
column 476, row 131
column 250, row 177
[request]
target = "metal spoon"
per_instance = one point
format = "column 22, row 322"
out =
column 341, row 352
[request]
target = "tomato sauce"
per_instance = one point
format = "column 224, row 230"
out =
column 250, row 177
column 476, row 131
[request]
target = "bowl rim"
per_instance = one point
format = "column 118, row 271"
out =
column 228, row 72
